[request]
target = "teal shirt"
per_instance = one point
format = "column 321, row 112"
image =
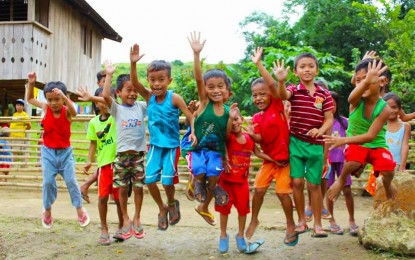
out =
column 359, row 124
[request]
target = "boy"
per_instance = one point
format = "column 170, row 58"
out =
column 131, row 144
column 311, row 117
column 366, row 132
column 57, row 156
column 235, row 182
column 266, row 96
column 164, row 108
column 212, row 127
column 19, row 126
column 102, row 134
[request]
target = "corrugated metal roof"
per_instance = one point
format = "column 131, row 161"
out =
column 106, row 30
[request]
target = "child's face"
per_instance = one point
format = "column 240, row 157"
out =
column 306, row 69
column 261, row 96
column 159, row 81
column 394, row 107
column 128, row 94
column 55, row 101
column 216, row 90
column 103, row 108
column 19, row 107
column 287, row 108
column 101, row 82
column 237, row 124
column 373, row 89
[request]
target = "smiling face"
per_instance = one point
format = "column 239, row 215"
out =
column 216, row 89
column 306, row 69
column 394, row 108
column 128, row 94
column 159, row 81
column 54, row 101
column 261, row 96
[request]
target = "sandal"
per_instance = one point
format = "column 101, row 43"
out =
column 138, row 232
column 190, row 192
column 288, row 237
column 162, row 220
column 200, row 191
column 127, row 232
column 301, row 228
column 47, row 222
column 319, row 232
column 325, row 214
column 174, row 213
column 84, row 220
column 354, row 230
column 336, row 229
column 104, row 240
column 308, row 215
column 118, row 236
column 221, row 196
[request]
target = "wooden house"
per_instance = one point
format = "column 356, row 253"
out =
column 58, row 39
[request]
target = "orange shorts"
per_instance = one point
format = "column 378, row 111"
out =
column 281, row 175
column 105, row 181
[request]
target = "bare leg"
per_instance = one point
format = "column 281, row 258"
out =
column 338, row 185
column 241, row 225
column 170, row 191
column 348, row 196
column 287, row 206
column 84, row 188
column 298, row 192
column 223, row 225
column 103, row 209
column 123, row 205
column 390, row 189
column 257, row 201
column 316, row 199
column 155, row 193
column 138, row 202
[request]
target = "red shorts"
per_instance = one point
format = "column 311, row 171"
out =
column 238, row 196
column 380, row 158
column 2, row 165
column 105, row 180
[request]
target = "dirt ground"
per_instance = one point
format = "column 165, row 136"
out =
column 23, row 237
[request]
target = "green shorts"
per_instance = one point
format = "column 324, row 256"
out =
column 129, row 167
column 306, row 160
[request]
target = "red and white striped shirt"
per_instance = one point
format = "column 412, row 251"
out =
column 307, row 112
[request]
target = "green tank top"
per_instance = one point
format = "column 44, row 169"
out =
column 210, row 129
column 359, row 125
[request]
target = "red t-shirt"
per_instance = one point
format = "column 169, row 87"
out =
column 272, row 125
column 56, row 131
column 239, row 159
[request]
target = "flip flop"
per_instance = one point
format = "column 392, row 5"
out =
column 319, row 233
column 325, row 214
column 200, row 191
column 301, row 228
column 177, row 212
column 354, row 230
column 292, row 243
column 104, row 240
column 85, row 197
column 221, row 196
column 47, row 222
column 207, row 216
column 118, row 236
column 163, row 220
column 127, row 232
column 253, row 247
column 190, row 192
column 336, row 229
column 138, row 232
column 308, row 215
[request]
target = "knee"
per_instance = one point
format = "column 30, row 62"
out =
column 260, row 192
column 347, row 191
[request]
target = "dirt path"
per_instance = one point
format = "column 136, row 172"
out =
column 23, row 237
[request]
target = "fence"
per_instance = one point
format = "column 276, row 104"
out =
column 25, row 169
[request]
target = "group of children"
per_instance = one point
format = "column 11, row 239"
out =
column 218, row 145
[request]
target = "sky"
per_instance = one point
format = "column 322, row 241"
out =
column 161, row 27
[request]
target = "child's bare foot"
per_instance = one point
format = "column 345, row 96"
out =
column 334, row 191
column 251, row 228
column 391, row 191
column 163, row 224
column 84, row 194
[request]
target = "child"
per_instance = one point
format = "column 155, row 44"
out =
column 57, row 156
column 235, row 182
column 19, row 126
column 131, row 144
column 336, row 157
column 366, row 131
column 4, row 145
column 212, row 127
column 102, row 134
column 266, row 97
column 311, row 117
column 164, row 108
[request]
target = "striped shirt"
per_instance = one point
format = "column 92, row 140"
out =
column 307, row 112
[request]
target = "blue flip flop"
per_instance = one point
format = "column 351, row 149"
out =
column 253, row 247
column 292, row 243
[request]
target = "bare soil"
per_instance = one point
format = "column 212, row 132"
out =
column 23, row 237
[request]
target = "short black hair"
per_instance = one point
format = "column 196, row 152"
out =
column 217, row 73
column 394, row 97
column 257, row 81
column 121, row 79
column 158, row 65
column 304, row 55
column 101, row 74
column 54, row 84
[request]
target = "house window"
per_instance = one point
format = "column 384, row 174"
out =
column 87, row 41
column 42, row 12
column 13, row 10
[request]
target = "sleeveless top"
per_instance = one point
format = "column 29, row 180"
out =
column 394, row 141
column 359, row 125
column 56, row 131
column 163, row 122
column 210, row 129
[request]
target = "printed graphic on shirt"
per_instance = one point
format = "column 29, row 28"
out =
column 318, row 103
column 131, row 123
column 209, row 139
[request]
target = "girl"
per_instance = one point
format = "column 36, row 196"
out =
column 336, row 157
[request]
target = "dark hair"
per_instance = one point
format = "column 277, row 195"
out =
column 98, row 91
column 304, row 55
column 217, row 73
column 322, row 84
column 54, row 84
column 337, row 115
column 395, row 97
column 158, row 65
column 364, row 64
column 100, row 75
column 121, row 79
column 257, row 81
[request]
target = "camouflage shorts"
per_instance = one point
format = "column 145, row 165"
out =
column 129, row 167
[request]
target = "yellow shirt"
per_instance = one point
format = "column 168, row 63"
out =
column 16, row 124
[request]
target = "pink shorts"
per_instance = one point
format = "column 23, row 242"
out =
column 105, row 181
column 380, row 158
column 238, row 196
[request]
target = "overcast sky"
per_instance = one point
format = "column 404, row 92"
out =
column 161, row 27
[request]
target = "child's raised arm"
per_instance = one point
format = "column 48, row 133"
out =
column 197, row 47
column 106, row 93
column 31, row 79
column 135, row 56
column 85, row 96
column 71, row 112
column 406, row 117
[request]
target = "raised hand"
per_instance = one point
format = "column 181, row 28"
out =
column 193, row 105
column 280, row 72
column 31, row 77
column 109, row 68
column 83, row 94
column 374, row 70
column 58, row 92
column 195, row 42
column 135, row 53
column 256, row 57
column 233, row 111
column 369, row 55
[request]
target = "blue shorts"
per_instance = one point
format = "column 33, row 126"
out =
column 161, row 164
column 206, row 162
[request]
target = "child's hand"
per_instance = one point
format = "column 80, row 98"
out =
column 193, row 106
column 256, row 57
column 369, row 55
column 279, row 71
column 195, row 43
column 31, row 77
column 83, row 94
column 58, row 92
column 135, row 53
column 314, row 133
column 334, row 140
column 109, row 68
column 233, row 111
column 248, row 128
column 86, row 168
column 193, row 139
column 373, row 72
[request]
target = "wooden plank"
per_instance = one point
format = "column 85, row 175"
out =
column 7, row 66
column 27, row 50
column 17, row 51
